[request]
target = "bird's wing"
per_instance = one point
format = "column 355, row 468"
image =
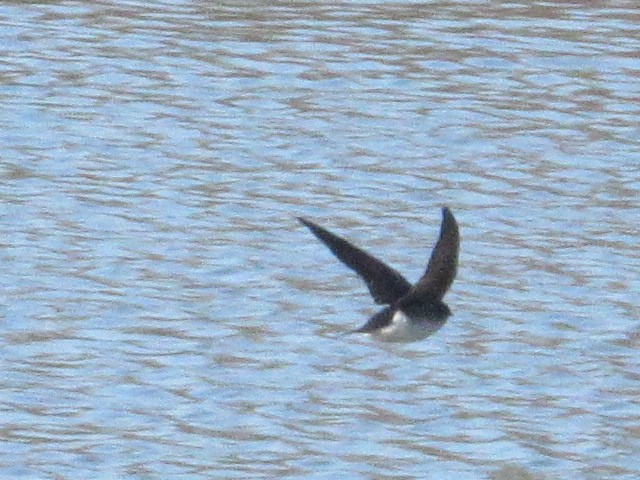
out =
column 385, row 284
column 380, row 320
column 443, row 264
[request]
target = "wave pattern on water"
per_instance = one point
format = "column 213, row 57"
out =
column 162, row 313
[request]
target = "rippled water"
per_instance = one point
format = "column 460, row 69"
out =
column 163, row 315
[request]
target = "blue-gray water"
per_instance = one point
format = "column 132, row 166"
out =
column 163, row 315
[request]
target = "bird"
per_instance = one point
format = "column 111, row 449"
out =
column 412, row 312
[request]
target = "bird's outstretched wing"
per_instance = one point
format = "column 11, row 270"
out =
column 385, row 284
column 443, row 264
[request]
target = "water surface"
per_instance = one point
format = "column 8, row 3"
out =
column 163, row 315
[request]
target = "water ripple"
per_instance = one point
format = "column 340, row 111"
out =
column 163, row 314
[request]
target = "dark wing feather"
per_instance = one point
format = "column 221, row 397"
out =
column 380, row 320
column 443, row 264
column 385, row 284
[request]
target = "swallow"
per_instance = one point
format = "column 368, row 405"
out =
column 412, row 312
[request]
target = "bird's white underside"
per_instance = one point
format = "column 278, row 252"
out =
column 404, row 329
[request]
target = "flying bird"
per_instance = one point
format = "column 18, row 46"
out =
column 412, row 312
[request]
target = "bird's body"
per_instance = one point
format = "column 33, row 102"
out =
column 399, row 326
column 412, row 312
